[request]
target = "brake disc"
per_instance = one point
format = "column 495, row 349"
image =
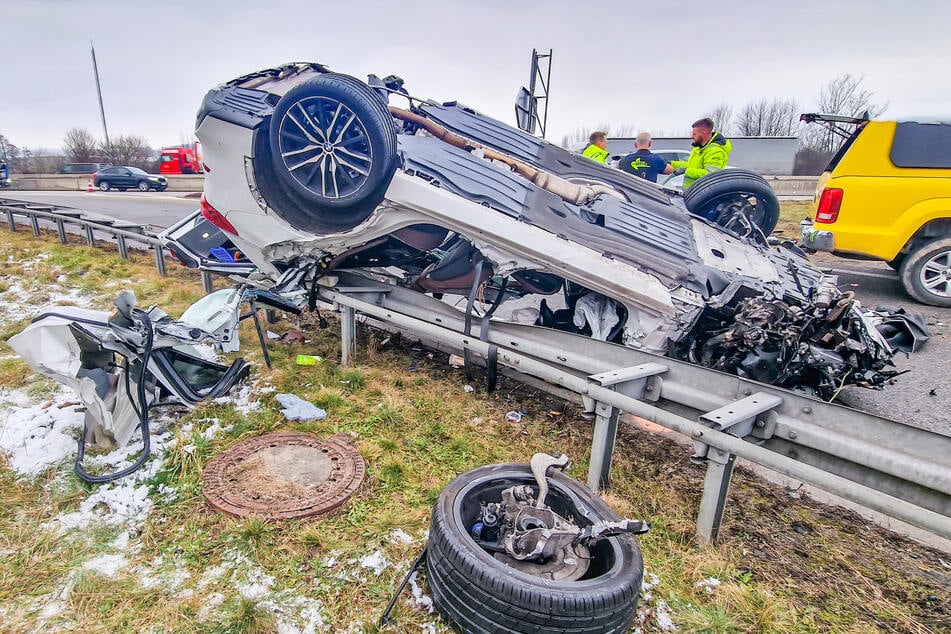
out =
column 568, row 564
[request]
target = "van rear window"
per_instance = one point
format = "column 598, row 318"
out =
column 922, row 145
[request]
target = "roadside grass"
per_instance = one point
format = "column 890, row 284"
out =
column 783, row 564
column 790, row 213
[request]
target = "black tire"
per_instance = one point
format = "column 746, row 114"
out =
column 333, row 150
column 926, row 273
column 708, row 195
column 104, row 186
column 142, row 186
column 478, row 593
column 898, row 261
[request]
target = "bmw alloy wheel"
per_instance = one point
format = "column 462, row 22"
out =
column 325, row 147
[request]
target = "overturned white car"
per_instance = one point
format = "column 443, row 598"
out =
column 311, row 172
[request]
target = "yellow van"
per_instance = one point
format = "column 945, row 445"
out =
column 886, row 195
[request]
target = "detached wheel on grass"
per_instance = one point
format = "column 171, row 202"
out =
column 722, row 196
column 332, row 147
column 926, row 273
column 477, row 592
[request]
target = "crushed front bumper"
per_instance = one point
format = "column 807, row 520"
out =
column 816, row 239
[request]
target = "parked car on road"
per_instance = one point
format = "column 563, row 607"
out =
column 123, row 178
column 886, row 195
column 82, row 168
column 311, row 172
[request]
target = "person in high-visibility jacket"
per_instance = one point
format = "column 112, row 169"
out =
column 597, row 149
column 710, row 153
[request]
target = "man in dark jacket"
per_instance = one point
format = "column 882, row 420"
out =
column 710, row 152
column 644, row 163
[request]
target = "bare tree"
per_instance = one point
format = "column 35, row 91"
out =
column 768, row 117
column 11, row 154
column 581, row 134
column 844, row 95
column 722, row 116
column 129, row 149
column 80, row 146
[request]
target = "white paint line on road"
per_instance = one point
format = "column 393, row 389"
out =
column 881, row 276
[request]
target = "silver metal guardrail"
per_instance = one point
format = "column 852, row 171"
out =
column 90, row 224
column 901, row 471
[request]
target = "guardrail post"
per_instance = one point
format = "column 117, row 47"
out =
column 11, row 221
column 348, row 334
column 636, row 381
column 90, row 235
column 160, row 259
column 61, row 230
column 716, row 486
column 35, row 225
column 123, row 247
column 207, row 282
column 602, row 445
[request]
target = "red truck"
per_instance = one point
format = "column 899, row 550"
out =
column 179, row 160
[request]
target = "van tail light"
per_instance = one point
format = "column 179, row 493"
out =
column 829, row 204
column 216, row 218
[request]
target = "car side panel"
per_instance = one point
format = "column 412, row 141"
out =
column 882, row 205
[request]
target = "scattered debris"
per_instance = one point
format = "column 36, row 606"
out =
column 514, row 417
column 308, row 359
column 296, row 408
column 273, row 336
column 468, row 389
column 455, row 361
column 293, row 337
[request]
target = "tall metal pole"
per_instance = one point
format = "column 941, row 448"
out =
column 102, row 111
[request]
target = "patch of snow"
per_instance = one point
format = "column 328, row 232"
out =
column 399, row 536
column 209, row 605
column 652, row 607
column 37, row 437
column 241, row 400
column 20, row 300
column 295, row 614
column 375, row 562
column 107, row 565
column 662, row 614
column 421, row 600
column 124, row 502
column 709, row 584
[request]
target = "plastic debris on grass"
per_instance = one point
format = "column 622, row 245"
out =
column 296, row 408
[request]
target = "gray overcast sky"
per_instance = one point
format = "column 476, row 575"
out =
column 656, row 65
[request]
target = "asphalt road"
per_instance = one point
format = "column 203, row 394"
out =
column 159, row 210
column 921, row 397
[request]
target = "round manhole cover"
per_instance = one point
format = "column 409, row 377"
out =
column 285, row 475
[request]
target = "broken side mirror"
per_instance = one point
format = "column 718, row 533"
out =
column 525, row 109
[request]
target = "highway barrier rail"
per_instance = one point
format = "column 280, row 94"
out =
column 901, row 471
